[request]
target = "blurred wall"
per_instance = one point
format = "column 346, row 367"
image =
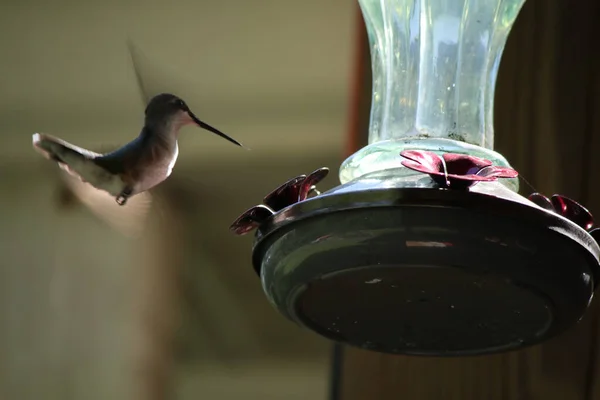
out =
column 178, row 313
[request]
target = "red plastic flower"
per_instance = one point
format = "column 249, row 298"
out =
column 293, row 191
column 455, row 171
column 563, row 206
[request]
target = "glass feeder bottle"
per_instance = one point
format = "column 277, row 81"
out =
column 434, row 67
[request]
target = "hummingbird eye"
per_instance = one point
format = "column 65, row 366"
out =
column 181, row 104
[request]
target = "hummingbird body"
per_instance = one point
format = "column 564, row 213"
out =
column 139, row 165
column 149, row 162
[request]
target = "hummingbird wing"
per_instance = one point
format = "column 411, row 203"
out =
column 129, row 220
column 135, row 55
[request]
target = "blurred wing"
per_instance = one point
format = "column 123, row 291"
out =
column 129, row 219
column 136, row 60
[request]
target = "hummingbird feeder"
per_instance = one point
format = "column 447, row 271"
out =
column 426, row 248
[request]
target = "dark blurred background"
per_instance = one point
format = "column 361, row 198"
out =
column 86, row 313
column 547, row 124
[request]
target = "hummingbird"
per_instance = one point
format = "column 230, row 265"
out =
column 139, row 165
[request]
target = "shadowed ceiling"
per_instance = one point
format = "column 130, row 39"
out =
column 267, row 72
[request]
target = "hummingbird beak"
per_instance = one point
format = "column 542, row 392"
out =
column 209, row 128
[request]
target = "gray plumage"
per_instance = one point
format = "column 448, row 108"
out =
column 139, row 165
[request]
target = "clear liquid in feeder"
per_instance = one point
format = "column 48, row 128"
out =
column 434, row 66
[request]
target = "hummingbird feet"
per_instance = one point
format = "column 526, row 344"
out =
column 122, row 198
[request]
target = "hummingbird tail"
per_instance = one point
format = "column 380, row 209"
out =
column 66, row 156
column 73, row 159
column 59, row 150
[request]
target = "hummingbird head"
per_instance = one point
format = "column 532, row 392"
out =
column 169, row 109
